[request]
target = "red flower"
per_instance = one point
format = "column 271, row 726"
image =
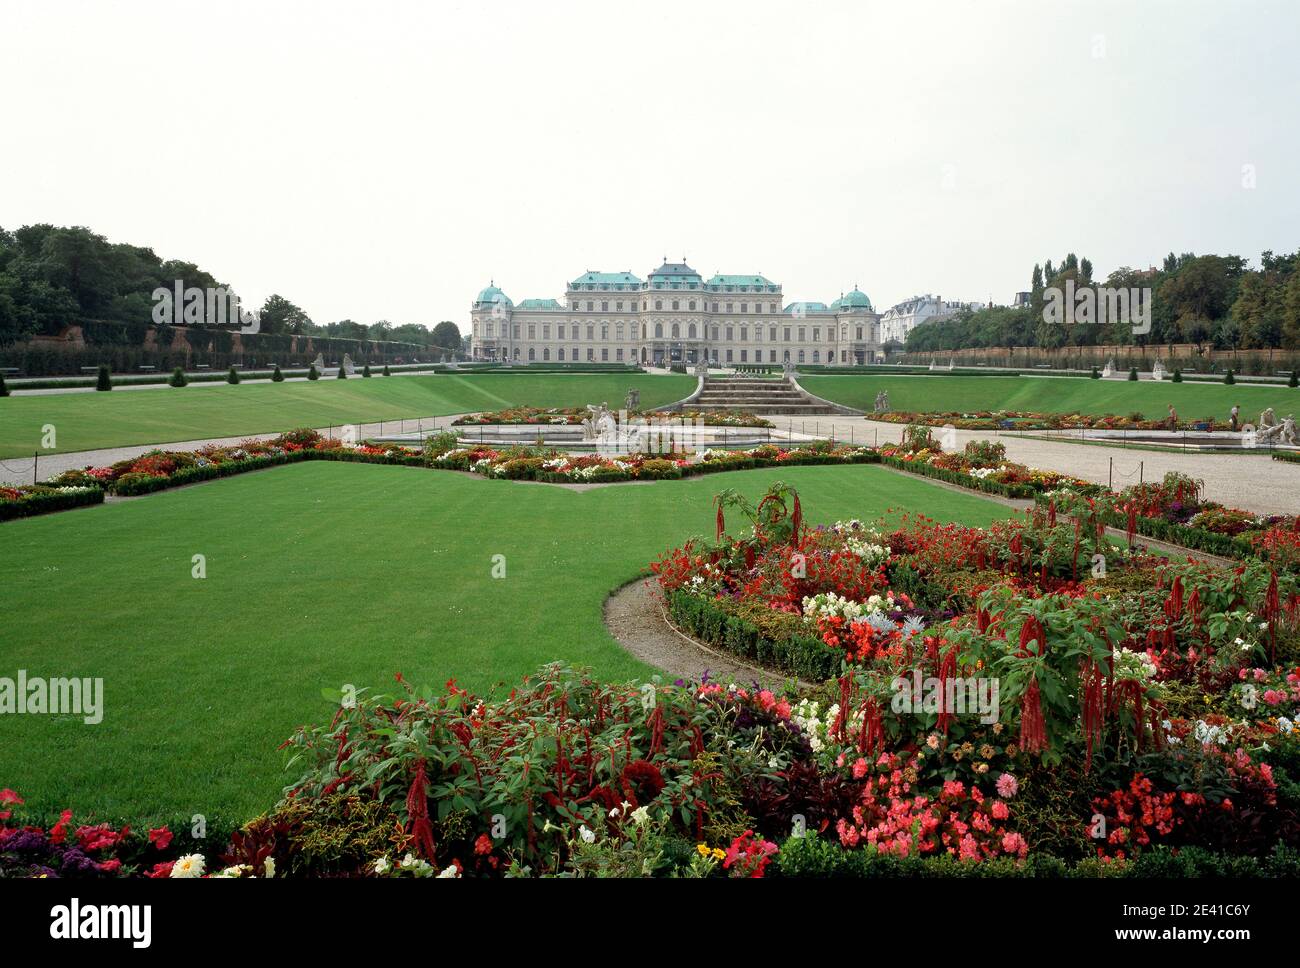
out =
column 161, row 870
column 160, row 838
column 483, row 845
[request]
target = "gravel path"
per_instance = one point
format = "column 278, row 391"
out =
column 1253, row 482
column 634, row 615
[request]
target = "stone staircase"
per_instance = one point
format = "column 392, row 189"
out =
column 757, row 396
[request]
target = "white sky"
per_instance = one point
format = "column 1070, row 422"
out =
column 385, row 159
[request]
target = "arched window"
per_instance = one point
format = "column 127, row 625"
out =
column 532, row 354
column 561, row 354
column 516, row 352
column 801, row 356
column 659, row 304
column 604, row 331
column 591, row 332
column 618, row 331
column 691, row 305
column 659, row 330
column 816, row 356
column 677, row 331
column 546, row 353
column 690, row 330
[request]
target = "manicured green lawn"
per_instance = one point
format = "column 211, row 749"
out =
column 323, row 574
column 86, row 421
column 1053, row 395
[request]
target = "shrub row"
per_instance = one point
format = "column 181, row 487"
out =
column 1286, row 455
column 812, row 856
column 805, row 656
column 44, row 502
column 960, row 479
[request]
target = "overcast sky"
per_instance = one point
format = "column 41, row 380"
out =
column 383, row 160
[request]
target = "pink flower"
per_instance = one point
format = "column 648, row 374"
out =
column 1015, row 844
column 1007, row 786
column 1000, row 811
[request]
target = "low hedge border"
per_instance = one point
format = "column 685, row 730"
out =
column 1023, row 491
column 805, row 656
column 132, row 485
column 811, row 856
column 1286, row 456
column 47, row 502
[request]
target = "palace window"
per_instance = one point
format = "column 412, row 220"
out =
column 604, row 305
column 729, row 305
column 690, row 331
column 771, row 356
column 532, row 354
column 744, row 356
column 604, row 355
column 618, row 355
column 787, row 334
column 730, row 333
column 816, row 334
column 659, row 330
column 591, row 332
column 677, row 331
column 546, row 330
column 816, row 356
column 744, row 308
column 589, row 305
column 859, row 332
column 728, row 354
column 618, row 306
column 676, row 305
column 801, row 334
column 715, row 332
column 561, row 354
column 744, row 334
column 618, row 331
column 691, row 305
column 546, row 354
column 591, row 355
column 604, row 331
column 573, row 331
column 515, row 328
column 801, row 356
column 659, row 304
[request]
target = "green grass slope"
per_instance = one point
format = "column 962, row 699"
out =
column 1053, row 395
column 87, row 421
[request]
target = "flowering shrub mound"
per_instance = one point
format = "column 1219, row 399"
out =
column 26, row 500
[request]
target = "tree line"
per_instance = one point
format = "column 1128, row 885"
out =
column 53, row 276
column 1213, row 301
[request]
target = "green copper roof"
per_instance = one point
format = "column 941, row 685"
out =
column 539, row 304
column 721, row 280
column 493, row 295
column 857, row 299
column 606, row 279
column 805, row 308
column 675, row 272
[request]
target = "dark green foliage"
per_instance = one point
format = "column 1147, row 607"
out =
column 232, row 376
column 1133, row 374
column 1229, row 379
column 277, row 376
column 104, row 381
column 177, row 378
column 365, row 371
column 386, row 370
column 4, row 390
column 1178, row 376
column 313, row 373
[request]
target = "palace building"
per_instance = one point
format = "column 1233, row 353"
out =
column 674, row 316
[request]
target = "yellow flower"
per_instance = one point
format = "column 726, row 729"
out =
column 703, row 849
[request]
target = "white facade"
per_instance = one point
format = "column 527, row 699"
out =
column 674, row 316
column 900, row 320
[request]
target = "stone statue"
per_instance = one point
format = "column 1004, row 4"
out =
column 319, row 362
column 1289, row 435
column 349, row 367
column 1158, row 371
column 1267, row 419
column 1109, row 370
column 879, row 406
column 787, row 369
column 1278, row 433
column 702, row 367
column 884, row 401
column 600, row 422
column 633, row 401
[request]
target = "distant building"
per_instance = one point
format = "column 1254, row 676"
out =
column 674, row 316
column 1022, row 299
column 901, row 319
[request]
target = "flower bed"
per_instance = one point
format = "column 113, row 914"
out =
column 27, row 500
column 1157, row 701
column 982, row 466
column 573, row 416
column 1034, row 420
column 1173, row 510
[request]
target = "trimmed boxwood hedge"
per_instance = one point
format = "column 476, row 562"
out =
column 812, row 856
column 45, row 502
column 805, row 656
column 1287, row 456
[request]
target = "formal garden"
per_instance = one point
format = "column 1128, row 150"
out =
column 955, row 664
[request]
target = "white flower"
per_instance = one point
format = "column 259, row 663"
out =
column 191, row 865
column 382, row 865
column 640, row 815
column 421, row 868
column 269, row 867
column 449, row 871
column 588, row 836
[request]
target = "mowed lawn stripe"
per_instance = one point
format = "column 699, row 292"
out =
column 323, row 574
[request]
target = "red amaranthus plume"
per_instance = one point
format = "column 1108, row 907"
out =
column 1194, row 607
column 1272, row 609
column 721, row 525
column 1033, row 728
column 1132, row 523
column 417, row 809
column 1174, row 603
column 796, row 520
column 1051, row 513
column 1074, row 559
column 1032, row 631
column 1094, row 712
